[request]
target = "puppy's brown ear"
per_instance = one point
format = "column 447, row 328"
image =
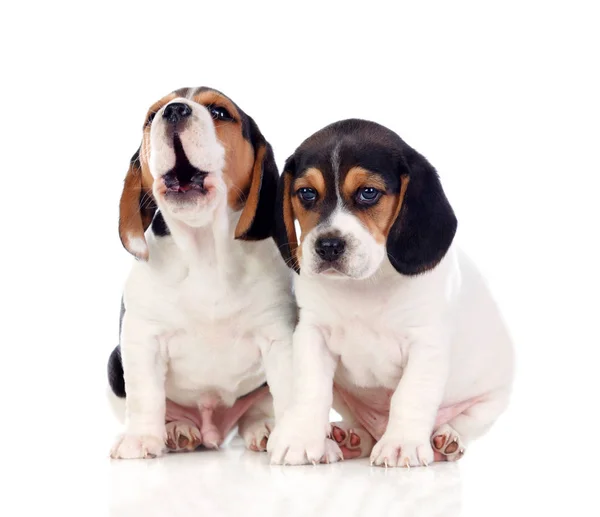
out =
column 285, row 231
column 136, row 209
column 425, row 225
column 256, row 219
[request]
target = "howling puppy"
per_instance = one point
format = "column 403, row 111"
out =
column 397, row 328
column 207, row 312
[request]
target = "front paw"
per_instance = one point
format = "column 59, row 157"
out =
column 296, row 443
column 133, row 446
column 392, row 451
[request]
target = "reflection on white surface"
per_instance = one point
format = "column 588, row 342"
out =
column 510, row 471
column 235, row 482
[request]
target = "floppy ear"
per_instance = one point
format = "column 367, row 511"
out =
column 256, row 219
column 285, row 231
column 425, row 225
column 136, row 209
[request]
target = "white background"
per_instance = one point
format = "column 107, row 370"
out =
column 502, row 97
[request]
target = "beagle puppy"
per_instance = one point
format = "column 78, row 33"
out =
column 208, row 312
column 397, row 328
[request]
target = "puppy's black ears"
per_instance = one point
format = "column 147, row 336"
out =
column 256, row 219
column 136, row 208
column 285, row 231
column 425, row 225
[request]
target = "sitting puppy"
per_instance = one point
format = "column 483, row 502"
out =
column 397, row 328
column 208, row 312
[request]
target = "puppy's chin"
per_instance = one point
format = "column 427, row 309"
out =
column 359, row 264
column 341, row 274
column 340, row 271
column 195, row 206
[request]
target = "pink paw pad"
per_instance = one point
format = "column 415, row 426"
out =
column 351, row 441
column 447, row 444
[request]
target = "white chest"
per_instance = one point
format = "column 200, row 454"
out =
column 367, row 331
column 370, row 355
column 216, row 359
column 212, row 342
column 211, row 320
column 371, row 325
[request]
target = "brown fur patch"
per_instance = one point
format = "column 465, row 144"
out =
column 380, row 217
column 239, row 154
column 312, row 178
column 249, row 211
column 358, row 177
column 208, row 97
column 307, row 219
column 137, row 204
column 136, row 208
column 130, row 220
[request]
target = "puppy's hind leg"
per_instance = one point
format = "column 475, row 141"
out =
column 182, row 435
column 256, row 424
column 352, row 438
column 450, row 439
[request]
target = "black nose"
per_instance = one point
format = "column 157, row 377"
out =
column 176, row 111
column 330, row 249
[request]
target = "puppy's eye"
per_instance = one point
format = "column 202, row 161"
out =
column 367, row 196
column 308, row 195
column 219, row 113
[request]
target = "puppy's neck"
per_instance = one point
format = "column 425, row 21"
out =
column 212, row 244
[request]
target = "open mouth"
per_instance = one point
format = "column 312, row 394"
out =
column 184, row 178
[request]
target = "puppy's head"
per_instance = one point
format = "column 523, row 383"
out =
column 359, row 194
column 198, row 150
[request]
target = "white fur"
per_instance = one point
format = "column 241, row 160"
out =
column 436, row 339
column 136, row 245
column 208, row 318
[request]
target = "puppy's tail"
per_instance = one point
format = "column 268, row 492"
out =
column 116, row 394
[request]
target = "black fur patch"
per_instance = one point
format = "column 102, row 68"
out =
column 135, row 159
column 116, row 379
column 280, row 231
column 115, row 373
column 159, row 226
column 426, row 225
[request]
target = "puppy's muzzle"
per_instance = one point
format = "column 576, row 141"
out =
column 184, row 177
column 330, row 249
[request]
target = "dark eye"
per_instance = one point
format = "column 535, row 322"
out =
column 308, row 195
column 219, row 113
column 367, row 196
